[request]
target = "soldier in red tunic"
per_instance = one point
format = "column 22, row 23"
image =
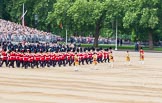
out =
column 36, row 59
column 26, row 59
column 85, row 56
column 72, row 54
column 53, row 56
column 105, row 55
column 4, row 57
column 47, row 59
column 12, row 58
column 142, row 56
column 90, row 56
column 31, row 60
column 63, row 58
column 42, row 59
column 57, row 59
column 17, row 54
column 21, row 57
column 68, row 59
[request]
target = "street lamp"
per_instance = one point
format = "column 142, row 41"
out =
column 116, row 42
column 36, row 19
column 66, row 36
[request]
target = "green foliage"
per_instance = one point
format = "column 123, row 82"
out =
column 90, row 17
column 133, row 36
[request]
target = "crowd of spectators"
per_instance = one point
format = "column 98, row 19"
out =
column 10, row 31
column 101, row 40
column 14, row 32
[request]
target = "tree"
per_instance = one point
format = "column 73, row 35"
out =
column 86, row 15
column 142, row 14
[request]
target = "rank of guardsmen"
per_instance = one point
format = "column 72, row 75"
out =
column 72, row 57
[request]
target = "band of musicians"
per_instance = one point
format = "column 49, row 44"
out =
column 27, row 59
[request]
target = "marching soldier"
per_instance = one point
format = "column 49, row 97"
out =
column 17, row 54
column 68, row 59
column 63, row 58
column 90, row 56
column 31, row 60
column 36, row 59
column 111, row 59
column 47, row 59
column 95, row 58
column 142, row 56
column 85, row 56
column 53, row 57
column 25, row 60
column 4, row 57
column 42, row 59
column 12, row 58
column 127, row 57
column 76, row 61
column 105, row 56
column 72, row 57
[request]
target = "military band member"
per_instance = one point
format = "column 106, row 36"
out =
column 90, row 56
column 31, row 60
column 86, row 57
column 127, row 58
column 17, row 54
column 12, row 59
column 4, row 58
column 42, row 59
column 47, row 59
column 68, row 61
column 142, row 56
column 95, row 58
column 25, row 60
column 53, row 58
column 36, row 59
column 76, row 61
column 111, row 59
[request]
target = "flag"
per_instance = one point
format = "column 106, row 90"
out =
column 61, row 26
column 23, row 15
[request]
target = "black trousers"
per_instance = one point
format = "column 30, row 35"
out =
column 42, row 63
column 11, row 63
column 59, row 63
column 48, row 63
column 68, row 62
column 17, row 63
column 31, row 64
column 26, row 64
column 86, row 60
column 54, row 63
column 4, row 61
column 81, row 61
column 64, row 62
column 36, row 63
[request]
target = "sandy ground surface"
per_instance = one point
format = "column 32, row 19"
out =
column 122, row 84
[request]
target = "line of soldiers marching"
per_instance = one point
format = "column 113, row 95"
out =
column 42, row 59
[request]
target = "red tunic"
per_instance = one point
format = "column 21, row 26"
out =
column 12, row 56
column 4, row 55
column 37, row 57
column 31, row 58
column 63, row 56
column 42, row 57
column 47, row 57
column 25, row 57
column 90, row 55
column 53, row 56
column 68, row 56
column 105, row 55
column 72, row 55
column 57, row 57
